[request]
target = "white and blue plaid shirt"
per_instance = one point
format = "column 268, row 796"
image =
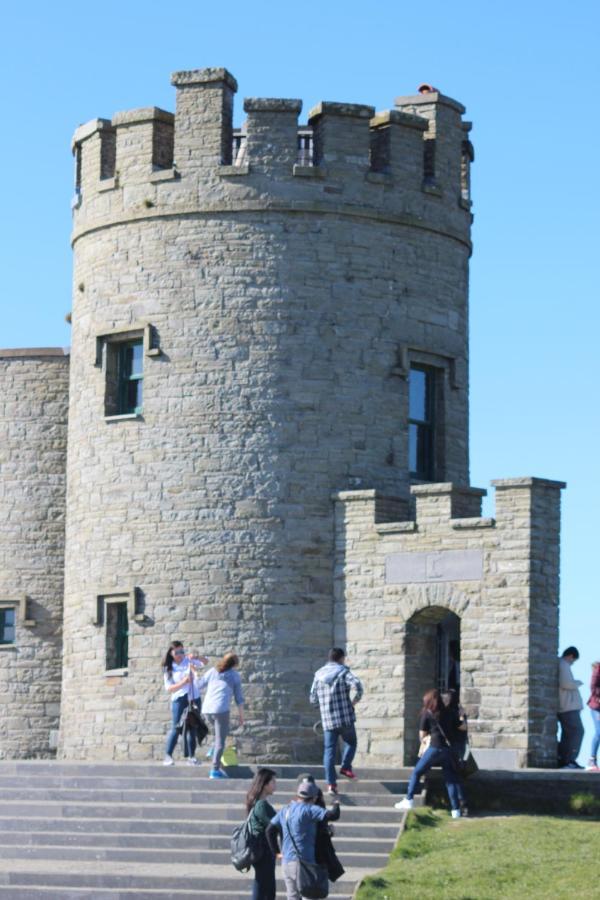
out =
column 331, row 689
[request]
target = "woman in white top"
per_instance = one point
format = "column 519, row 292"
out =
column 182, row 684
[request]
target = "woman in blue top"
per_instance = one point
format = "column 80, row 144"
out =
column 223, row 684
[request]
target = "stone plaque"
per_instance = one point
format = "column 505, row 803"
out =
column 445, row 565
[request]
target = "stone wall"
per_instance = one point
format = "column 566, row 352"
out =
column 499, row 576
column 281, row 305
column 33, row 425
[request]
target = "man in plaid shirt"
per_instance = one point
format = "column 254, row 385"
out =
column 331, row 689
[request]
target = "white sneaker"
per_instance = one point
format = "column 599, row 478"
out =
column 168, row 760
column 404, row 804
column 455, row 813
column 192, row 761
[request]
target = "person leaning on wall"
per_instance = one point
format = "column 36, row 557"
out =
column 570, row 705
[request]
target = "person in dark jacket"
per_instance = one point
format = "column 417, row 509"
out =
column 296, row 824
column 262, row 787
column 439, row 722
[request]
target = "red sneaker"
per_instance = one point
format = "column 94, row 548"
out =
column 347, row 773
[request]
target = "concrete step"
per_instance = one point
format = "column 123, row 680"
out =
column 162, row 832
column 200, row 798
column 207, row 878
column 198, row 856
column 187, row 844
column 33, row 768
column 207, row 812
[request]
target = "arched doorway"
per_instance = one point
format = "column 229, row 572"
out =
column 431, row 660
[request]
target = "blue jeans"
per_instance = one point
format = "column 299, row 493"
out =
column 596, row 739
column 330, row 741
column 435, row 756
column 177, row 707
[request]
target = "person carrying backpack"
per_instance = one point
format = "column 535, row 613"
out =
column 257, row 803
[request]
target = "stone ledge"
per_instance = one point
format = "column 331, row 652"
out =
column 143, row 114
column 164, row 175
column 528, row 481
column 29, row 352
column 123, row 417
column 226, row 171
column 271, row 104
column 108, row 184
column 395, row 527
column 300, row 171
column 475, row 522
column 204, row 76
column 379, row 177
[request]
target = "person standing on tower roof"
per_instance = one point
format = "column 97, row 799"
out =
column 332, row 686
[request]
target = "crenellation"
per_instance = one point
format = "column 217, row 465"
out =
column 203, row 119
column 341, row 136
column 272, row 135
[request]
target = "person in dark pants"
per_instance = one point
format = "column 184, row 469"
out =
column 331, row 689
column 458, row 738
column 570, row 705
column 262, row 787
column 439, row 722
column 182, row 684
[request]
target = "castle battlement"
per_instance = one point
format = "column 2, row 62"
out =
column 411, row 161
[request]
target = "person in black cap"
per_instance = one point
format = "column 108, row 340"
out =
column 297, row 824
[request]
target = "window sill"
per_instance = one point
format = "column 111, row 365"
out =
column 116, row 673
column 123, row 417
column 7, row 647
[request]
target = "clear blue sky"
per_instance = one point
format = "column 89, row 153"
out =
column 528, row 75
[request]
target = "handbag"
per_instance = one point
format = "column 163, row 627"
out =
column 246, row 847
column 312, row 879
column 192, row 719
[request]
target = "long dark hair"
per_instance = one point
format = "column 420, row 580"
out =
column 262, row 778
column 432, row 702
column 167, row 662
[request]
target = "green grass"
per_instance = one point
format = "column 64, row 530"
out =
column 494, row 858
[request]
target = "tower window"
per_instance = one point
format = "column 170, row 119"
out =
column 7, row 625
column 124, row 377
column 421, row 423
column 117, row 636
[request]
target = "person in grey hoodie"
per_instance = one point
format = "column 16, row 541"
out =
column 570, row 705
column 331, row 690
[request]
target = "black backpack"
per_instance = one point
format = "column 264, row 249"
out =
column 246, row 847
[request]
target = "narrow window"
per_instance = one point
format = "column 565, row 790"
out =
column 117, row 636
column 421, row 425
column 7, row 625
column 130, row 376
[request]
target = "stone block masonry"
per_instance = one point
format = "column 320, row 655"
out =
column 33, row 425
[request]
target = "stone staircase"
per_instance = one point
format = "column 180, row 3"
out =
column 111, row 831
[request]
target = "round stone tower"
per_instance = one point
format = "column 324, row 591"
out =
column 33, row 423
column 247, row 310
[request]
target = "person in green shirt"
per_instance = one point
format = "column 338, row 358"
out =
column 263, row 786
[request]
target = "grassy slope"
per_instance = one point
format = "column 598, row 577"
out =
column 524, row 857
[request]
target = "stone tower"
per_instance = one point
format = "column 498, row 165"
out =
column 33, row 448
column 247, row 308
